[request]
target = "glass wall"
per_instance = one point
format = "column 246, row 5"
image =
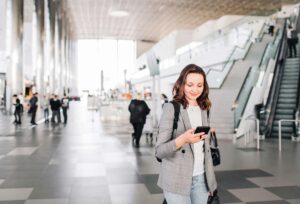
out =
column 115, row 58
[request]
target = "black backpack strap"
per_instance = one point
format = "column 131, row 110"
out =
column 175, row 121
column 208, row 119
column 176, row 117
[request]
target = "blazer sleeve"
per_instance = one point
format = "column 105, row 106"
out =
column 164, row 146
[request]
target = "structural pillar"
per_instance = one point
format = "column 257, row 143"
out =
column 14, row 49
column 39, row 48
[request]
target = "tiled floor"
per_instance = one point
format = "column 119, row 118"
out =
column 89, row 161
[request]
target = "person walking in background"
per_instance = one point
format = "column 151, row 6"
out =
column 33, row 107
column 164, row 99
column 13, row 103
column 186, row 174
column 138, row 111
column 17, row 112
column 21, row 97
column 271, row 26
column 51, row 103
column 292, row 40
column 45, row 107
column 65, row 107
column 55, row 107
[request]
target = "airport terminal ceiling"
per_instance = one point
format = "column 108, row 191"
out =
column 151, row 20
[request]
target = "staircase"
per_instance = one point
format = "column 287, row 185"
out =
column 287, row 98
column 222, row 118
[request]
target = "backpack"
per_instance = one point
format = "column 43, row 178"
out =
column 176, row 117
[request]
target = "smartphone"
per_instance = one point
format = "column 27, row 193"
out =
column 202, row 129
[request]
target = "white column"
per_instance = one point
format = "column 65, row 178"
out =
column 14, row 49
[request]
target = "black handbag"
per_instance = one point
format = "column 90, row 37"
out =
column 214, row 199
column 215, row 152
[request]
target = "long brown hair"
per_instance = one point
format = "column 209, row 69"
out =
column 178, row 89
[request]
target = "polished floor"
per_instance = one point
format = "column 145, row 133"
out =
column 92, row 161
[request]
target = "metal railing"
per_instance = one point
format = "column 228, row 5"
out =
column 298, row 98
column 279, row 131
column 274, row 90
column 247, row 132
column 231, row 57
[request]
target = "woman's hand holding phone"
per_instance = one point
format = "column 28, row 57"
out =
column 189, row 137
column 194, row 137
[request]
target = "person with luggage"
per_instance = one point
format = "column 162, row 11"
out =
column 138, row 111
column 186, row 174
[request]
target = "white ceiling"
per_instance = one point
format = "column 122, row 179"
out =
column 150, row 20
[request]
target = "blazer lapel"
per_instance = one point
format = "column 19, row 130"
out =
column 185, row 118
column 186, row 122
column 204, row 117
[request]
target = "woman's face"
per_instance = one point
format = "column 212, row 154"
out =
column 193, row 87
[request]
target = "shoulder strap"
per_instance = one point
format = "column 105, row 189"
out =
column 214, row 139
column 176, row 117
column 208, row 118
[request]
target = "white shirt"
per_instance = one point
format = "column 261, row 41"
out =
column 195, row 117
column 289, row 33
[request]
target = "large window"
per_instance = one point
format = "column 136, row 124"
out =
column 111, row 56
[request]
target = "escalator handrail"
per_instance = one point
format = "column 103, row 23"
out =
column 298, row 21
column 297, row 111
column 274, row 90
column 235, row 103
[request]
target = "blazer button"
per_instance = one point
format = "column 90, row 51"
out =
column 183, row 151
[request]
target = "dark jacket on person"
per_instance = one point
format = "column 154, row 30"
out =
column 18, row 106
column 138, row 111
column 55, row 105
column 33, row 101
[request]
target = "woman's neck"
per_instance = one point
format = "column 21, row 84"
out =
column 192, row 103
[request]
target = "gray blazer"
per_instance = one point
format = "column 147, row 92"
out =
column 176, row 170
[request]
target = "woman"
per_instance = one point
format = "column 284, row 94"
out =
column 186, row 174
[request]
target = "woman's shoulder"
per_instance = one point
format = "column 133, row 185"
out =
column 168, row 107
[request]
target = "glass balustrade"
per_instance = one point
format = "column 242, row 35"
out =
column 253, row 77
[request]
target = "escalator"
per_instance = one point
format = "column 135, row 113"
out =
column 287, row 98
column 283, row 99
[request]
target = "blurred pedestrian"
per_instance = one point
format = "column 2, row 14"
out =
column 164, row 99
column 33, row 107
column 138, row 111
column 55, row 107
column 65, row 107
column 292, row 40
column 46, row 105
column 17, row 112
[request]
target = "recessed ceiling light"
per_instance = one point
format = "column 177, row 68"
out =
column 118, row 13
